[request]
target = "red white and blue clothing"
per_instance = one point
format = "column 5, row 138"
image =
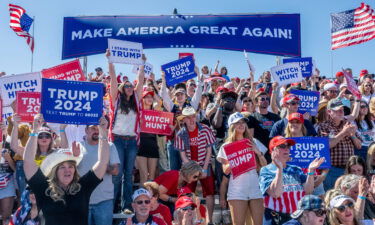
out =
column 293, row 190
column 205, row 139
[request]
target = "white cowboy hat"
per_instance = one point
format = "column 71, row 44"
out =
column 55, row 158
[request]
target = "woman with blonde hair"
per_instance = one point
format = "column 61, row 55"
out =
column 61, row 194
column 341, row 209
column 366, row 91
column 243, row 191
column 371, row 159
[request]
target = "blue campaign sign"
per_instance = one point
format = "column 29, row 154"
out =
column 309, row 101
column 305, row 63
column 71, row 102
column 307, row 149
column 274, row 34
column 179, row 71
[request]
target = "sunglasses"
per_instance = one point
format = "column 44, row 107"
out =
column 195, row 177
column 293, row 103
column 140, row 202
column 333, row 91
column 128, row 86
column 230, row 100
column 283, row 146
column 363, row 106
column 192, row 84
column 367, row 85
column 342, row 208
column 41, row 136
column 264, row 99
column 246, row 101
column 319, row 212
column 188, row 208
column 246, row 87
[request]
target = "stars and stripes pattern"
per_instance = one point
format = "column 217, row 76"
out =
column 20, row 23
column 352, row 27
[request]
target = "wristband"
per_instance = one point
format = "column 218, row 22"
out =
column 362, row 197
column 204, row 171
column 310, row 173
column 62, row 131
column 33, row 134
column 353, row 137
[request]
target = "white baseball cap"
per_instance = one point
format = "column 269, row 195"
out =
column 338, row 200
column 139, row 192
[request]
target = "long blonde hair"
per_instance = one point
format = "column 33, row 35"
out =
column 55, row 191
column 370, row 153
column 288, row 133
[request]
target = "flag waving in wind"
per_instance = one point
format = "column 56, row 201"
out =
column 20, row 23
column 352, row 27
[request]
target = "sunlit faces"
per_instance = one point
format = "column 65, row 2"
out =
column 190, row 121
column 128, row 88
column 315, row 217
column 345, row 212
column 44, row 139
column 92, row 132
column 263, row 101
column 364, row 108
column 352, row 192
column 194, row 177
column 142, row 205
column 295, row 126
column 282, row 152
column 65, row 173
column 337, row 114
column 332, row 93
column 180, row 97
column 356, row 169
column 240, row 126
column 148, row 100
column 292, row 106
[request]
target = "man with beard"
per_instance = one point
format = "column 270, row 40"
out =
column 142, row 206
column 264, row 120
column 101, row 200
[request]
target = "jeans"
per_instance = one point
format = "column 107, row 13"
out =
column 173, row 156
column 127, row 152
column 101, row 213
column 333, row 174
column 20, row 176
column 362, row 152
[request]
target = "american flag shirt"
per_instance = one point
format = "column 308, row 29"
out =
column 293, row 180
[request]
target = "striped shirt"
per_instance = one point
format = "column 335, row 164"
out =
column 205, row 139
column 293, row 191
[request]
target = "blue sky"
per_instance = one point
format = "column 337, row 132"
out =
column 315, row 28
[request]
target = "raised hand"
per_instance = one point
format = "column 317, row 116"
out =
column 38, row 122
column 363, row 187
column 76, row 150
column 316, row 163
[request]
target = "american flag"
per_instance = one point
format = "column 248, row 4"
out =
column 20, row 23
column 352, row 27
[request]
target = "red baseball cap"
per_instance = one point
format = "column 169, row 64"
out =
column 339, row 74
column 221, row 88
column 279, row 140
column 290, row 97
column 296, row 116
column 183, row 202
column 363, row 72
column 145, row 93
column 183, row 191
column 294, row 84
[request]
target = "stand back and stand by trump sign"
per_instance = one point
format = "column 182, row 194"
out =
column 240, row 156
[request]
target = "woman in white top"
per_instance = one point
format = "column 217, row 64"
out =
column 243, row 191
column 367, row 91
column 124, row 129
column 366, row 129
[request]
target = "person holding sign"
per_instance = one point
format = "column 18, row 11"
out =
column 243, row 191
column 62, row 195
column 124, row 130
column 194, row 141
column 283, row 185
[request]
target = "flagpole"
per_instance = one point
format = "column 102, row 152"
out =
column 32, row 52
column 332, row 64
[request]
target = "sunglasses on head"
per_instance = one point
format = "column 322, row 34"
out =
column 41, row 136
column 140, row 202
column 342, row 208
column 188, row 208
column 319, row 212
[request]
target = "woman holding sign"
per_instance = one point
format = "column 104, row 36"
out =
column 243, row 191
column 124, row 129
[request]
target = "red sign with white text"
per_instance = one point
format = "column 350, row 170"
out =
column 28, row 105
column 240, row 156
column 184, row 54
column 352, row 86
column 156, row 122
column 67, row 71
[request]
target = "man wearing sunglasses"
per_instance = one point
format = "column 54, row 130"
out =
column 290, row 103
column 330, row 91
column 142, row 206
column 310, row 211
column 283, row 185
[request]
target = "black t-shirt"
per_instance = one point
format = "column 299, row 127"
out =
column 221, row 132
column 264, row 125
column 75, row 211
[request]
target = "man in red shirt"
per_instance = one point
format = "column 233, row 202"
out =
column 194, row 141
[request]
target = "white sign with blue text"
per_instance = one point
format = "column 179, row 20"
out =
column 10, row 84
column 179, row 71
column 125, row 52
column 306, row 64
column 287, row 73
column 71, row 102
column 148, row 69
column 307, row 149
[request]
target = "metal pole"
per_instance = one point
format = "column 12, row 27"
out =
column 85, row 65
